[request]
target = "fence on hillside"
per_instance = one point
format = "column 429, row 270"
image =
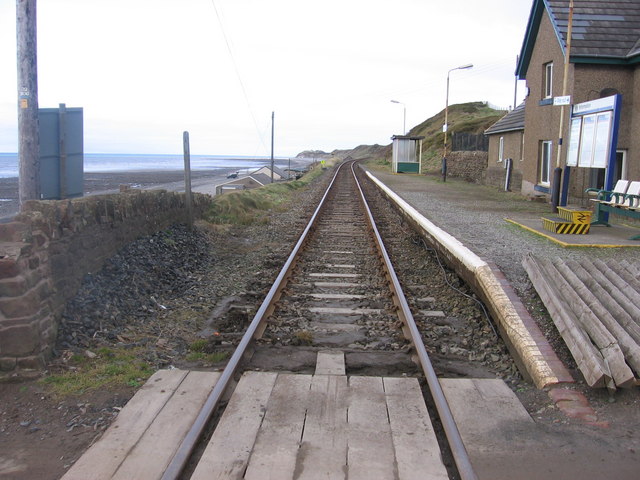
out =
column 469, row 142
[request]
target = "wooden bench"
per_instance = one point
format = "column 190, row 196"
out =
column 623, row 200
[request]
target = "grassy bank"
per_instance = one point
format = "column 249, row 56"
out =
column 248, row 207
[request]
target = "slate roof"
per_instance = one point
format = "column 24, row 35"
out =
column 261, row 178
column 604, row 31
column 511, row 122
column 276, row 170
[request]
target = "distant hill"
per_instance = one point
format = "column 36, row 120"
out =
column 318, row 154
column 473, row 117
column 365, row 151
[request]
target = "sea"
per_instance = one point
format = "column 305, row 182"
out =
column 109, row 162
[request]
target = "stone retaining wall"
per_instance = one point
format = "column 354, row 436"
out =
column 51, row 245
column 469, row 166
column 495, row 176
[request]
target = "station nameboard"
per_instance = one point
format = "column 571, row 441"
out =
column 564, row 100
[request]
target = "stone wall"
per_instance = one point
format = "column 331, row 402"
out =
column 495, row 176
column 48, row 248
column 468, row 166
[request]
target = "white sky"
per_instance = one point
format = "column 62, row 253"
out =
column 146, row 70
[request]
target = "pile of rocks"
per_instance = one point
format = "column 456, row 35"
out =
column 137, row 283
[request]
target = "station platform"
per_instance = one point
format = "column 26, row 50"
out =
column 536, row 359
column 599, row 236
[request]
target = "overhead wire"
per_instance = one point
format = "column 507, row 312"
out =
column 238, row 76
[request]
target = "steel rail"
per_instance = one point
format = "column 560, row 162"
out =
column 460, row 454
column 182, row 455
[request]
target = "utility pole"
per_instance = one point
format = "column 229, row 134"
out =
column 272, row 127
column 28, row 128
column 445, row 127
column 187, row 179
column 556, row 185
column 515, row 90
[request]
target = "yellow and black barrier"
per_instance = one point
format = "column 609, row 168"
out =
column 570, row 221
column 559, row 225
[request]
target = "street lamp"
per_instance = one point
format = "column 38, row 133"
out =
column 404, row 117
column 446, row 118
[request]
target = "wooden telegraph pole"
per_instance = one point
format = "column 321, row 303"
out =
column 187, row 179
column 28, row 129
column 272, row 126
column 556, row 186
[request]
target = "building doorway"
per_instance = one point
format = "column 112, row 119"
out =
column 597, row 175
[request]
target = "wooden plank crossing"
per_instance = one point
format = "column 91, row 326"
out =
column 146, row 434
column 328, row 427
column 276, row 426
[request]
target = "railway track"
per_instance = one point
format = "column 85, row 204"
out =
column 357, row 402
column 337, row 290
column 338, row 295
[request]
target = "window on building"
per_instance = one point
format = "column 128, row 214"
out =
column 548, row 80
column 545, row 162
column 597, row 176
column 501, row 149
column 621, row 165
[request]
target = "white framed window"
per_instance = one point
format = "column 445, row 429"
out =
column 501, row 149
column 545, row 162
column 548, row 80
column 589, row 140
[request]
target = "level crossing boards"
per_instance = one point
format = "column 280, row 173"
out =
column 276, row 425
column 149, row 429
column 323, row 426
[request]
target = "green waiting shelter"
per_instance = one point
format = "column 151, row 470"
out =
column 407, row 154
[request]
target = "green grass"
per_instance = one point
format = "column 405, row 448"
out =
column 214, row 357
column 111, row 367
column 198, row 345
column 198, row 352
column 251, row 207
column 472, row 117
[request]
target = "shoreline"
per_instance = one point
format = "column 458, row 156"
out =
column 101, row 183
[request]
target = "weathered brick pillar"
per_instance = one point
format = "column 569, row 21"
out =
column 27, row 326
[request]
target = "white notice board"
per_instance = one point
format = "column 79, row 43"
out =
column 592, row 132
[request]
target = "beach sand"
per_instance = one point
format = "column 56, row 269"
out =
column 202, row 181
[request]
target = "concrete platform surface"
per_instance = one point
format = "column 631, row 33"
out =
column 504, row 442
column 599, row 236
